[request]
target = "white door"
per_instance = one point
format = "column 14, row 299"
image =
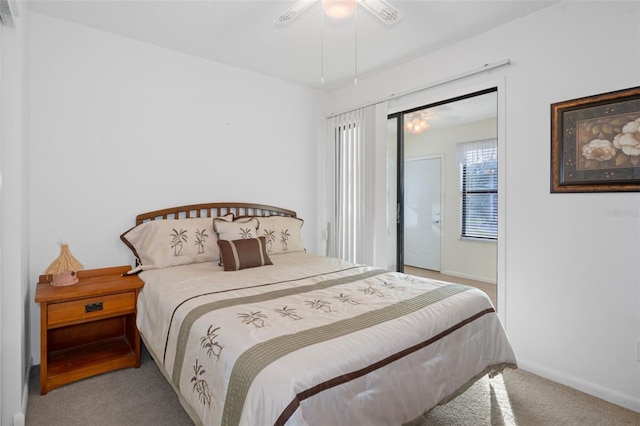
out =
column 422, row 201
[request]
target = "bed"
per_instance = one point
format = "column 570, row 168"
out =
column 251, row 329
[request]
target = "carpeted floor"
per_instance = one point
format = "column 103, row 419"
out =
column 142, row 397
column 490, row 289
column 520, row 398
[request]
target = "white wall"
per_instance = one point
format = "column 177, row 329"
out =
column 570, row 269
column 121, row 127
column 461, row 257
column 15, row 296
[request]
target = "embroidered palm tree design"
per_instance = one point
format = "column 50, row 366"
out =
column 245, row 233
column 288, row 312
column 253, row 318
column 284, row 238
column 319, row 305
column 392, row 286
column 413, row 280
column 270, row 236
column 177, row 240
column 371, row 291
column 210, row 344
column 201, row 237
column 345, row 298
column 200, row 385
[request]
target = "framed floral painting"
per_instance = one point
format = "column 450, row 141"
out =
column 595, row 143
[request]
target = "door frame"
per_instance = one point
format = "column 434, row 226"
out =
column 398, row 106
column 399, row 191
column 400, row 163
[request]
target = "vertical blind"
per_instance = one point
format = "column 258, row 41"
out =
column 353, row 139
column 479, row 188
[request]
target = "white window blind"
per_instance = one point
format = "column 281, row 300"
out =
column 354, row 136
column 479, row 188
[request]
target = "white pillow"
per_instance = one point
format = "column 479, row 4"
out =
column 282, row 234
column 171, row 242
column 241, row 229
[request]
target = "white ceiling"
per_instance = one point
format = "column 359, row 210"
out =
column 242, row 33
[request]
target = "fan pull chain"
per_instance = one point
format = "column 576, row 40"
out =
column 321, row 46
column 355, row 65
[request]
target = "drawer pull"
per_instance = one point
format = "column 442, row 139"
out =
column 92, row 307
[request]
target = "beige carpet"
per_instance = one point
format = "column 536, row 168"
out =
column 142, row 397
column 517, row 397
column 490, row 289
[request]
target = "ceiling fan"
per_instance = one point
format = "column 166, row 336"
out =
column 343, row 8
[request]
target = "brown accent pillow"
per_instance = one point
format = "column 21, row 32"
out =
column 241, row 254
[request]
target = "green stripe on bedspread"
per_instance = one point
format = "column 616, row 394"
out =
column 199, row 311
column 255, row 359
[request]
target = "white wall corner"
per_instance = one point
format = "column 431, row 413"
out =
column 8, row 12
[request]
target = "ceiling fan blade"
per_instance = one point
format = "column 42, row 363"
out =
column 383, row 10
column 296, row 9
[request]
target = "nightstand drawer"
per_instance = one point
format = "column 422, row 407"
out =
column 77, row 311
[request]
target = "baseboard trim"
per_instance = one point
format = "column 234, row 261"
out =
column 469, row 277
column 19, row 419
column 610, row 395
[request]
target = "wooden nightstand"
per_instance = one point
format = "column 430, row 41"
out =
column 87, row 328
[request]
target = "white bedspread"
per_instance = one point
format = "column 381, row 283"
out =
column 312, row 340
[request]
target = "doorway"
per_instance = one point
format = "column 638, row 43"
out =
column 429, row 132
column 422, row 211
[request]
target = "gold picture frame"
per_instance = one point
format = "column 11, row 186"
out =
column 595, row 143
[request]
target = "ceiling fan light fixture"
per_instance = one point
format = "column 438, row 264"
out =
column 338, row 9
column 415, row 123
column 343, row 8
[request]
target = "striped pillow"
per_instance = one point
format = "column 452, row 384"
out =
column 241, row 254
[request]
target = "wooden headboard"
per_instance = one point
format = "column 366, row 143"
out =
column 214, row 210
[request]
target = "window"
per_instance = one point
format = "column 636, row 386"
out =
column 479, row 188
